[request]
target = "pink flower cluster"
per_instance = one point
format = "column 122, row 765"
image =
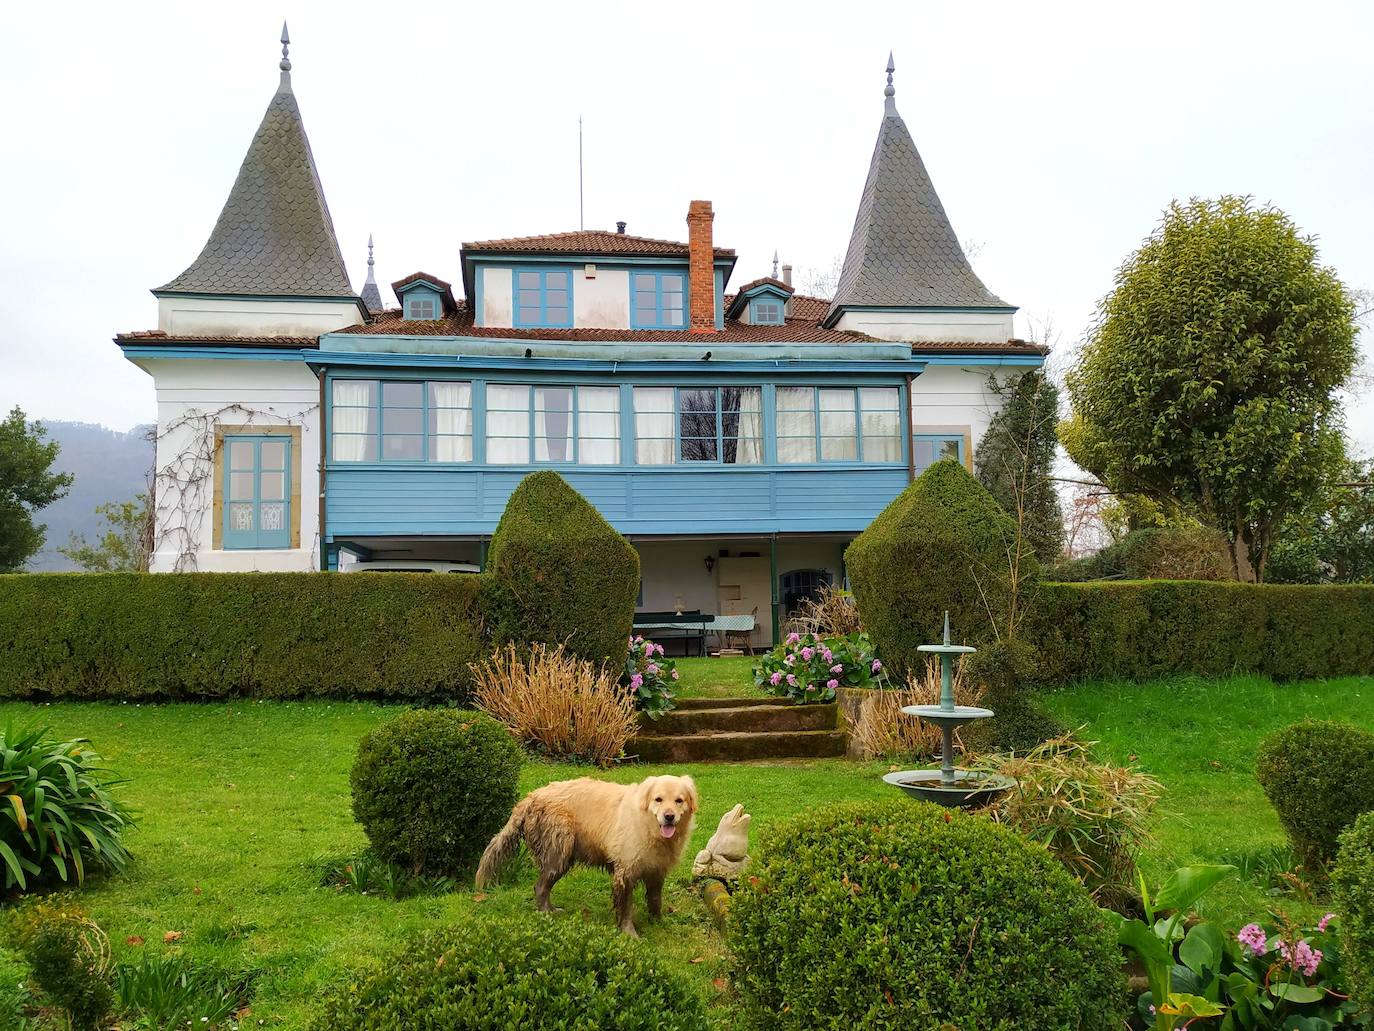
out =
column 636, row 681
column 1301, row 957
column 1326, row 920
column 1252, row 936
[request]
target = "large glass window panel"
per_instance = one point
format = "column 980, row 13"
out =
column 543, row 298
column 653, row 414
column 698, row 424
column 882, row 424
column 352, row 419
column 659, row 300
column 796, row 423
column 838, row 425
column 928, row 448
column 553, row 424
column 403, row 428
column 741, row 425
column 598, row 425
column 450, row 422
column 256, row 492
column 508, row 424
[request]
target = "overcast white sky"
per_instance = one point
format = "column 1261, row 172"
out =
column 1055, row 134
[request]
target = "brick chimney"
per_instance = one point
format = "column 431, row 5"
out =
column 701, row 268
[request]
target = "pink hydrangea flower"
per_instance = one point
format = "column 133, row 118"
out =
column 674, row 674
column 636, row 681
column 660, row 648
column 651, row 668
column 876, row 666
column 1252, row 936
column 837, row 668
column 776, row 678
column 793, row 638
column 808, row 653
column 1302, row 957
column 832, row 683
column 791, row 680
column 1325, row 921
column 790, row 659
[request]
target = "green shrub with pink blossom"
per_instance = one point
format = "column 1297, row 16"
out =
column 649, row 676
column 808, row 669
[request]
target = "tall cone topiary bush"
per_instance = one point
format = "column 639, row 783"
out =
column 943, row 543
column 558, row 572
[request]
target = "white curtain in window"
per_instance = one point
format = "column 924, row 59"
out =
column 452, row 407
column 352, row 416
column 553, row 424
column 653, row 425
column 598, row 425
column 749, row 450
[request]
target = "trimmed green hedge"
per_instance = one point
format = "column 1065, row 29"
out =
column 266, row 635
column 1140, row 630
column 557, row 572
column 939, row 546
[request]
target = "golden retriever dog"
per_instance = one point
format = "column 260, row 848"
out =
column 635, row 831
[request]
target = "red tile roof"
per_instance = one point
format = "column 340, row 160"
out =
column 793, row 331
column 765, row 281
column 415, row 277
column 591, row 241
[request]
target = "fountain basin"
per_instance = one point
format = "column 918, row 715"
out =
column 969, row 788
column 953, row 716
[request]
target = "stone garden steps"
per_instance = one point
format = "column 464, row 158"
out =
column 739, row 730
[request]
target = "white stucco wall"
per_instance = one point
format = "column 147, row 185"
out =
column 196, row 396
column 601, row 298
column 936, row 326
column 946, row 398
column 227, row 316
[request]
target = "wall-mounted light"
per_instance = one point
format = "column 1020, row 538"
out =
column 710, row 564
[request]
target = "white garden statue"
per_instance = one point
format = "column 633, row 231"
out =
column 726, row 854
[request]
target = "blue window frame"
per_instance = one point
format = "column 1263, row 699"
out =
column 838, row 424
column 400, row 420
column 929, row 448
column 723, row 425
column 554, row 423
column 421, row 308
column 543, row 298
column 257, row 492
column 766, row 311
column 658, row 300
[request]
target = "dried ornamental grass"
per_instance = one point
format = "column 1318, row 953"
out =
column 831, row 613
column 883, row 730
column 1093, row 816
column 556, row 703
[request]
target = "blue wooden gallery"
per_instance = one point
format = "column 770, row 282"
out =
column 739, row 436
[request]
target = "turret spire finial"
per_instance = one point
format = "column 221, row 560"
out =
column 775, row 264
column 889, row 92
column 285, row 65
column 370, row 262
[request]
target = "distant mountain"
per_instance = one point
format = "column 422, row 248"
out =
column 106, row 465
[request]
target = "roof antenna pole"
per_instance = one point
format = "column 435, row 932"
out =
column 581, row 219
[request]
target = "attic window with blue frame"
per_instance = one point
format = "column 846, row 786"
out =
column 766, row 311
column 419, row 308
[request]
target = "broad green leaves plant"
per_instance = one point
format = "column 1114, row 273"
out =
column 57, row 813
column 1209, row 380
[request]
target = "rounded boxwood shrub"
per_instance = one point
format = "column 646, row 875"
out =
column 1352, row 879
column 941, row 544
column 905, row 915
column 557, row 572
column 535, row 973
column 432, row 786
column 1319, row 776
column 1007, row 670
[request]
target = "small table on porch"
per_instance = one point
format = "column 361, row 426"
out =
column 689, row 626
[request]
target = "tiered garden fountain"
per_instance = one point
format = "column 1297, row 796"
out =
column 949, row 786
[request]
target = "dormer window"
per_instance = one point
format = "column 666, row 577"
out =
column 766, row 312
column 543, row 298
column 424, row 298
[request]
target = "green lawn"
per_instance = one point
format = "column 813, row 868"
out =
column 241, row 802
column 728, row 677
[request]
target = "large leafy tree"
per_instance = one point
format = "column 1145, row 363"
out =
column 1208, row 379
column 27, row 484
column 1015, row 460
column 1334, row 544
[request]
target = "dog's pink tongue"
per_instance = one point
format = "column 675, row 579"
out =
column 666, row 829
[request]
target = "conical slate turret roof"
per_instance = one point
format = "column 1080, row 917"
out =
column 903, row 252
column 274, row 235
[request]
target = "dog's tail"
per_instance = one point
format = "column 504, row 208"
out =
column 501, row 848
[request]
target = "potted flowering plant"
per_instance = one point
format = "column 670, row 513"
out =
column 649, row 676
column 807, row 668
